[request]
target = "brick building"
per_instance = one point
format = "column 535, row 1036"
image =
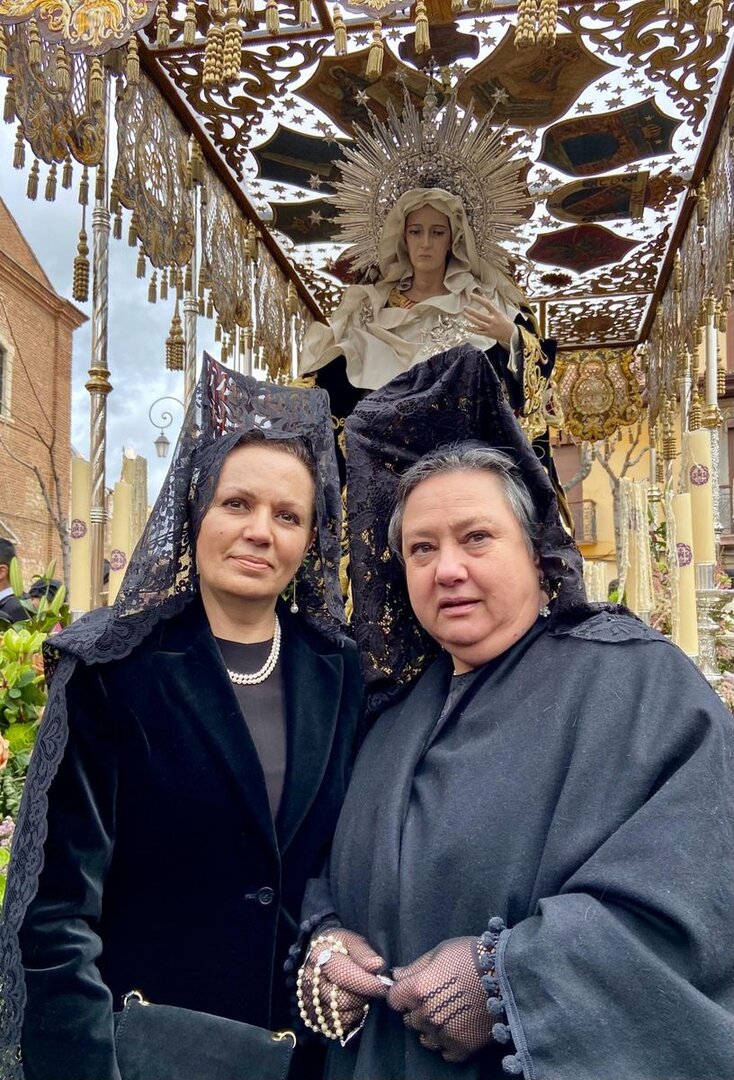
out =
column 36, row 327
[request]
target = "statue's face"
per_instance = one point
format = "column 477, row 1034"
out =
column 428, row 239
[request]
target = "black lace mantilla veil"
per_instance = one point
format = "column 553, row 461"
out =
column 160, row 581
column 452, row 397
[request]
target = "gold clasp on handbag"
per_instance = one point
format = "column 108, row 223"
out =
column 280, row 1036
column 135, row 995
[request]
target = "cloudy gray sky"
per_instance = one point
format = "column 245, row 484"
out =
column 137, row 329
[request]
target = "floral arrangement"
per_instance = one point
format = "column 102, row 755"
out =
column 22, row 698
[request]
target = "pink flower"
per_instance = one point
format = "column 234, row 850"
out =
column 4, row 752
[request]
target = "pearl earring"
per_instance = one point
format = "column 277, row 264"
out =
column 294, row 603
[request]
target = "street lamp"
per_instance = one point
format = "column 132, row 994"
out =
column 165, row 419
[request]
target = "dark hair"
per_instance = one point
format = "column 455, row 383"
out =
column 7, row 551
column 44, row 587
column 466, row 457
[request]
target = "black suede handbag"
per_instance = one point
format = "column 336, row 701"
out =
column 163, row 1042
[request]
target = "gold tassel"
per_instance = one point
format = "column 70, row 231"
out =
column 172, row 276
column 164, row 285
column 32, row 189
column 100, row 186
column 216, row 9
column 232, row 47
column 50, row 192
column 80, row 279
column 272, row 17
column 671, row 8
column 3, row 52
column 115, row 196
column 67, row 173
column 132, row 65
column 340, row 32
column 304, row 13
column 196, row 163
column 715, row 18
column 189, row 30
column 9, row 106
column 547, row 19
column 96, row 81
column 702, row 210
column 721, row 379
column 189, row 280
column 19, row 149
column 175, row 344
column 218, row 330
column 457, row 6
column 132, row 231
column 163, row 26
column 201, row 307
column 376, row 53
column 140, row 268
column 117, row 225
column 84, row 187
column 210, row 308
column 670, row 446
column 247, row 7
column 153, row 287
column 422, row 33
column 179, row 285
column 213, row 55
column 486, row 5
column 694, row 413
column 35, row 49
column 63, row 72
column 527, row 12
column 251, row 242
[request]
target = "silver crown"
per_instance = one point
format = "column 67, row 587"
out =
column 442, row 148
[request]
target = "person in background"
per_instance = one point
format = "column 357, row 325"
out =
column 43, row 587
column 11, row 609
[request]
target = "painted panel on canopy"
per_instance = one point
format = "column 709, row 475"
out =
column 598, row 143
column 581, row 248
column 602, row 198
column 310, row 223
column 532, row 86
column 340, row 88
column 292, row 157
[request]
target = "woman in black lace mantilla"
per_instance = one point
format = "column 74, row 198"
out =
column 194, row 751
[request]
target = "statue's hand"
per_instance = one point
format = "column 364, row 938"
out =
column 488, row 320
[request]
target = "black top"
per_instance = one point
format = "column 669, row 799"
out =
column 11, row 609
column 263, row 707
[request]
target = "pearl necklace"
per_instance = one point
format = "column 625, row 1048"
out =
column 252, row 678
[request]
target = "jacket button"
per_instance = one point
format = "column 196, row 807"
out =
column 265, row 895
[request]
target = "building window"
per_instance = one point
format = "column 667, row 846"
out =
column 5, row 379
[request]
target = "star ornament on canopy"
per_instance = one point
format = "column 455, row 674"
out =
column 438, row 149
column 85, row 26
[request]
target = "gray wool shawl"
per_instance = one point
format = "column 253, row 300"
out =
column 581, row 790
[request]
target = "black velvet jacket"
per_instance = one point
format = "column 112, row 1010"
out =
column 163, row 868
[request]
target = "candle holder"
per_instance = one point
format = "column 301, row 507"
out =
column 710, row 602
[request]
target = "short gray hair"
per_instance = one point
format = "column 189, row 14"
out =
column 466, row 457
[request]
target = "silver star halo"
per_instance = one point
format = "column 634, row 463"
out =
column 438, row 149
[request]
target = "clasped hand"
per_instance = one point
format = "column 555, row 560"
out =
column 439, row 994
